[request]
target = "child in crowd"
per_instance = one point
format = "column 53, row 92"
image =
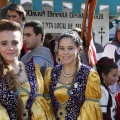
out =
column 108, row 72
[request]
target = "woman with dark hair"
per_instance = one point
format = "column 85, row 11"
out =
column 112, row 50
column 108, row 72
column 74, row 88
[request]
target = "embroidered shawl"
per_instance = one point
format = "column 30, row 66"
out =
column 30, row 68
column 77, row 95
column 8, row 101
column 8, row 98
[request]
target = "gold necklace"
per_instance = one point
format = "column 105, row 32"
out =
column 67, row 75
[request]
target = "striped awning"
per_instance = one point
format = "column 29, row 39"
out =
column 112, row 5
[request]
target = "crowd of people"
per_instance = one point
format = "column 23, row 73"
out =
column 35, row 86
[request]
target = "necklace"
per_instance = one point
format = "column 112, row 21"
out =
column 68, row 75
column 20, row 70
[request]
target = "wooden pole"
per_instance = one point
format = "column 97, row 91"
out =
column 3, row 3
column 91, row 18
column 84, row 18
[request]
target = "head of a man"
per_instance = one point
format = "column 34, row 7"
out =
column 118, row 32
column 33, row 34
column 15, row 12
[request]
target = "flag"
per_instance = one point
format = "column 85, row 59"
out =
column 3, row 3
column 92, row 54
column 91, row 48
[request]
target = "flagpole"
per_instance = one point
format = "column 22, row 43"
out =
column 84, row 18
column 91, row 19
column 90, row 5
column 3, row 3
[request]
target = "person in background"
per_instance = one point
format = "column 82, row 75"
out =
column 84, row 55
column 49, row 42
column 15, row 12
column 21, row 85
column 112, row 50
column 99, row 47
column 74, row 88
column 33, row 36
column 108, row 72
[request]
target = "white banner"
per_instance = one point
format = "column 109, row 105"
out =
column 60, row 22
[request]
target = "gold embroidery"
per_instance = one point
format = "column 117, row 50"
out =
column 61, row 113
column 25, row 114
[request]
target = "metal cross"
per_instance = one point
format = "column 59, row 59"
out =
column 101, row 32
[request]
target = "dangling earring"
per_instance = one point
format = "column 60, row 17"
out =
column 78, row 56
column 81, row 50
column 58, row 60
column 77, row 59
